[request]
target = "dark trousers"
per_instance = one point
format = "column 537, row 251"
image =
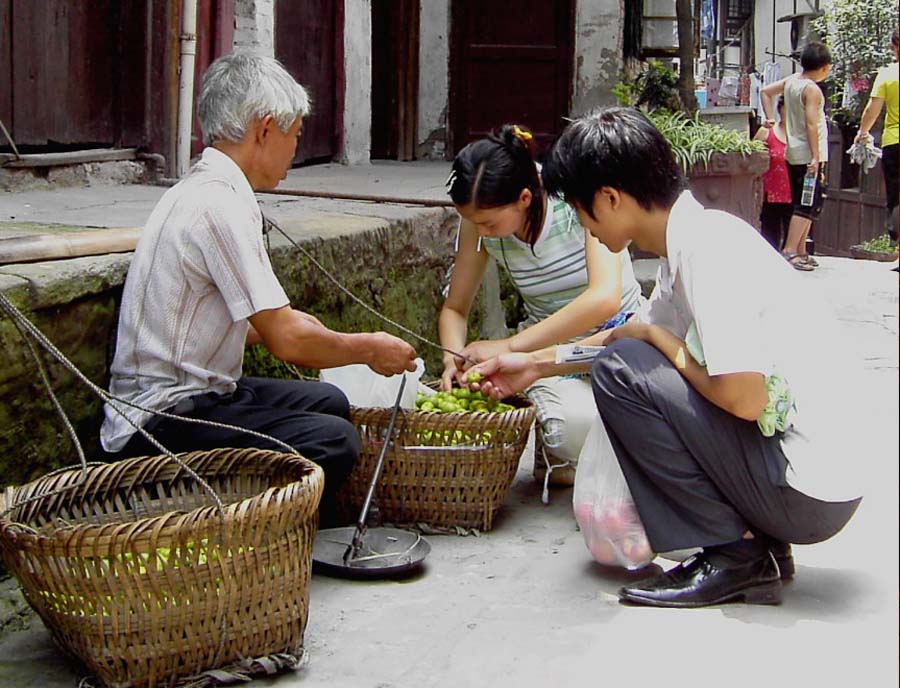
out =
column 699, row 476
column 774, row 220
column 311, row 417
column 889, row 167
column 796, row 173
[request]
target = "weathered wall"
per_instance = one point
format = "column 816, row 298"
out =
column 82, row 174
column 434, row 79
column 397, row 266
column 254, row 25
column 598, row 52
column 356, row 139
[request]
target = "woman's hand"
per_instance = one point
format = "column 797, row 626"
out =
column 451, row 373
column 503, row 376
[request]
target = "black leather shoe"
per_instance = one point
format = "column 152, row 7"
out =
column 697, row 582
column 784, row 557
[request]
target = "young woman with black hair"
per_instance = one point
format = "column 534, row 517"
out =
column 571, row 285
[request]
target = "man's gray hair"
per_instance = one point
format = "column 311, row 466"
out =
column 243, row 86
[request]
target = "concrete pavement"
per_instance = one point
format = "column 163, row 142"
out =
column 523, row 605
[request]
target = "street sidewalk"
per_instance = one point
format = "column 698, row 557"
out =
column 129, row 205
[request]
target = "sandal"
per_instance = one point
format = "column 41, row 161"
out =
column 809, row 260
column 798, row 262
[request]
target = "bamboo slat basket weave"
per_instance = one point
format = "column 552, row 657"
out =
column 136, row 575
column 442, row 469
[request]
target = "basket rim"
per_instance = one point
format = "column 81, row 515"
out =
column 156, row 529
column 522, row 403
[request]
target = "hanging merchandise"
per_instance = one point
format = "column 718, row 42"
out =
column 707, row 21
column 771, row 73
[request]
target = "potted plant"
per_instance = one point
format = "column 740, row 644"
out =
column 723, row 167
column 879, row 248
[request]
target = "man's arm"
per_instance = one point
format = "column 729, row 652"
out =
column 300, row 339
column 767, row 98
column 812, row 105
column 741, row 394
column 869, row 117
column 252, row 337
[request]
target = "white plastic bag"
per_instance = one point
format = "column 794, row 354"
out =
column 367, row 389
column 604, row 509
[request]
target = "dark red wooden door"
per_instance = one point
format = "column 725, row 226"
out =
column 395, row 78
column 307, row 42
column 62, row 62
column 99, row 73
column 510, row 62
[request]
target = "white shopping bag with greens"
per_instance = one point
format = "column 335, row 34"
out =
column 604, row 509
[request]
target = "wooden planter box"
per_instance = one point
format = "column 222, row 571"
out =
column 731, row 182
column 861, row 253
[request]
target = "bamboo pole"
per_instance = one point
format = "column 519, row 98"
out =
column 39, row 247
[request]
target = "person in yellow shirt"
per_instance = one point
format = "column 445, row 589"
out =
column 886, row 92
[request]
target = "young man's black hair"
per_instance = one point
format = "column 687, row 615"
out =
column 815, row 56
column 615, row 147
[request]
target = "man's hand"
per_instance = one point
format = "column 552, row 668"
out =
column 390, row 355
column 505, row 375
column 813, row 166
column 630, row 330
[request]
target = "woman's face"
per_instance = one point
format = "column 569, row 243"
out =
column 501, row 221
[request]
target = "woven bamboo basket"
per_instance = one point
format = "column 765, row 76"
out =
column 442, row 469
column 135, row 574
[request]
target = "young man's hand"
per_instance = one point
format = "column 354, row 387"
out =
column 504, row 375
column 390, row 355
column 630, row 330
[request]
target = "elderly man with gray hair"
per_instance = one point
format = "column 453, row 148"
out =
column 201, row 287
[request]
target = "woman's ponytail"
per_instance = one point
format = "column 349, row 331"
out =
column 492, row 172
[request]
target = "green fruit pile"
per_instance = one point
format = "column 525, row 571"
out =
column 460, row 400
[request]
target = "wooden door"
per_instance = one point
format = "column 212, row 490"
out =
column 308, row 42
column 510, row 62
column 67, row 72
column 100, row 73
column 395, row 78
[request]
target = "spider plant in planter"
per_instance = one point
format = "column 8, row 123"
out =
column 723, row 167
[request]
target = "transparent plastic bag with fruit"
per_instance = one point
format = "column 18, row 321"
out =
column 604, row 509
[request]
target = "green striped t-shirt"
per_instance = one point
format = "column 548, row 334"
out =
column 556, row 272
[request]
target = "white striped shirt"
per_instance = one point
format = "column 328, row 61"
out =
column 199, row 271
column 555, row 273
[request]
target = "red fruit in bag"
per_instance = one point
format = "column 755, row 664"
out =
column 603, row 552
column 584, row 513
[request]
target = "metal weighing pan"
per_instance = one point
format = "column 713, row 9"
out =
column 385, row 552
column 362, row 552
